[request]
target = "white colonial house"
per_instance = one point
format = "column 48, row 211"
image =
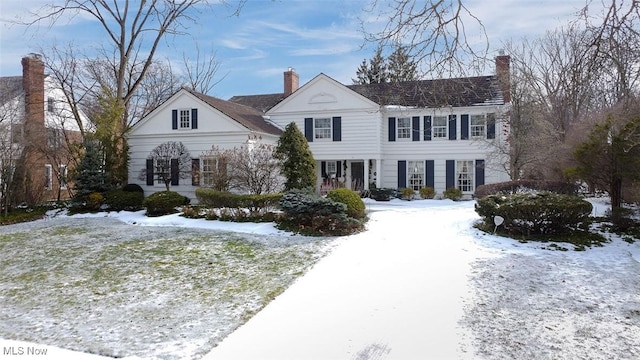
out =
column 438, row 133
column 200, row 122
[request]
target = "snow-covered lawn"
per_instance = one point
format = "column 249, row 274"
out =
column 420, row 283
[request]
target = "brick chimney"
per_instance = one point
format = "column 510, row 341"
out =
column 503, row 64
column 33, row 85
column 291, row 81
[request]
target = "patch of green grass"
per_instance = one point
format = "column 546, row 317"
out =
column 23, row 215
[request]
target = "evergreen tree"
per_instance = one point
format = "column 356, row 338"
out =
column 400, row 66
column 372, row 72
column 609, row 156
column 91, row 176
column 298, row 165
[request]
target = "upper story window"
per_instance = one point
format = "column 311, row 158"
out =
column 404, row 128
column 439, row 127
column 185, row 119
column 477, row 126
column 50, row 104
column 322, row 128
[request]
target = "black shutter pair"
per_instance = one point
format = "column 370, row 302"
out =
column 174, row 119
column 336, row 134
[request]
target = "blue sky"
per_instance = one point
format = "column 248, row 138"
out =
column 256, row 47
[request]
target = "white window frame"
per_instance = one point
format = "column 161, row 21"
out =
column 332, row 168
column 48, row 177
column 415, row 175
column 440, row 131
column 322, row 128
column 208, row 164
column 465, row 175
column 478, row 126
column 403, row 131
column 184, row 119
column 64, row 173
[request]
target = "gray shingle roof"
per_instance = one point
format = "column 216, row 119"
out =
column 10, row 87
column 480, row 90
column 249, row 117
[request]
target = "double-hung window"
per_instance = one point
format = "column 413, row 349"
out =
column 465, row 175
column 404, row 128
column 332, row 168
column 48, row 177
column 208, row 171
column 322, row 128
column 477, row 126
column 439, row 127
column 63, row 177
column 415, row 170
column 184, row 118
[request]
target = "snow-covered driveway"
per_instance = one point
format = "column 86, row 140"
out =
column 395, row 291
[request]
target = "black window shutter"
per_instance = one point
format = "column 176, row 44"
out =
column 175, row 172
column 338, row 168
column 464, row 127
column 415, row 128
column 427, row 128
column 337, row 128
column 149, row 171
column 451, row 174
column 429, row 170
column 308, row 129
column 194, row 118
column 392, row 129
column 479, row 172
column 195, row 172
column 402, row 174
column 323, row 169
column 174, row 119
column 491, row 126
column 452, row 127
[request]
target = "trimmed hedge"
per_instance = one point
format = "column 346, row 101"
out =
column 427, row 192
column 535, row 214
column 355, row 205
column 453, row 193
column 518, row 186
column 118, row 200
column 382, row 194
column 218, row 199
column 312, row 215
column 133, row 188
column 164, row 202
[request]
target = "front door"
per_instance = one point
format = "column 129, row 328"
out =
column 357, row 176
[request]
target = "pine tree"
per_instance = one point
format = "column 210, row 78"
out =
column 298, row 165
column 400, row 67
column 372, row 72
column 91, row 176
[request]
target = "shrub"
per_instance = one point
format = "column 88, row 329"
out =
column 518, row 186
column 381, row 194
column 355, row 205
column 452, row 193
column 427, row 192
column 133, row 188
column 622, row 219
column 124, row 200
column 407, row 193
column 218, row 199
column 164, row 202
column 313, row 215
column 534, row 214
column 94, row 200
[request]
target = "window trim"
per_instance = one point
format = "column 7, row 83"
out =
column 406, row 129
column 468, row 182
column 328, row 130
column 182, row 121
column 48, row 177
column 444, row 128
column 483, row 126
column 415, row 171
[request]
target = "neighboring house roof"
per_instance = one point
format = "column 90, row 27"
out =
column 10, row 88
column 480, row 90
column 247, row 116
